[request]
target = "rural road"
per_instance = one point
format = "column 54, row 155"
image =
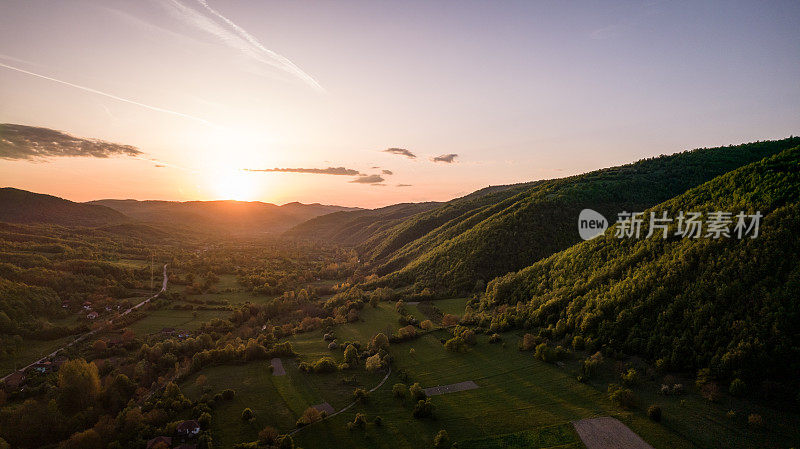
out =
column 90, row 333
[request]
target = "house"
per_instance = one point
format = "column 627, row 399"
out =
column 188, row 428
column 161, row 439
column 92, row 315
column 44, row 367
column 15, row 380
column 183, row 334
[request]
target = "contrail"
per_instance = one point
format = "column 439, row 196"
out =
column 284, row 62
column 125, row 100
column 237, row 38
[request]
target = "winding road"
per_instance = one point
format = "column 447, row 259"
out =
column 99, row 329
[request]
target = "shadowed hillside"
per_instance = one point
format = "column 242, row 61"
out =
column 21, row 206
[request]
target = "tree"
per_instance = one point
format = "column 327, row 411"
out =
column 654, row 413
column 378, row 342
column 374, row 363
column 399, row 390
column 268, row 435
column 99, row 346
column 247, row 414
column 285, row 442
column 441, row 440
column 204, row 420
column 360, row 422
column 737, row 387
column 78, row 385
column 88, row 439
column 360, row 395
column 416, row 391
column 310, row 415
column 351, row 355
column 423, row 409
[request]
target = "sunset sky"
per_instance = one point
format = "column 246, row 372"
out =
column 204, row 100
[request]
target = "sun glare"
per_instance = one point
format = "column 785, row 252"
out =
column 235, row 185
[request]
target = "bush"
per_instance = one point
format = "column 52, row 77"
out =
column 755, row 420
column 325, row 365
column 710, row 391
column 247, row 414
column 416, row 391
column 631, row 377
column 441, row 440
column 412, row 352
column 495, row 338
column 426, row 325
column 310, row 415
column 591, row 365
column 737, row 387
column 268, row 435
column 456, row 344
column 360, row 422
column 423, row 409
column 378, row 421
column 360, row 395
column 622, row 397
column 399, row 391
column 654, row 413
column 578, row 343
column 374, row 363
column 228, row 394
column 529, row 341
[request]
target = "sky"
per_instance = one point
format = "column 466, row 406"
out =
column 375, row 103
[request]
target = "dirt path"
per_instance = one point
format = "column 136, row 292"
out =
column 277, row 367
column 608, row 433
column 452, row 388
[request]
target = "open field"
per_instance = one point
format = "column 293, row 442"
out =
column 178, row 319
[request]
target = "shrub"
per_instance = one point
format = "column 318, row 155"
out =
column 378, row 342
column 529, row 341
column 310, row 415
column 351, row 355
column 360, row 422
column 755, row 420
column 400, row 391
column 247, row 414
column 268, row 435
column 423, row 409
column 456, row 344
column 654, row 413
column 378, row 421
column 737, row 387
column 412, row 352
column 426, row 325
column 591, row 365
column 631, row 377
column 441, row 440
column 495, row 338
column 449, row 320
column 325, row 365
column 374, row 363
column 416, row 391
column 578, row 343
column 622, row 397
column 710, row 391
column 360, row 395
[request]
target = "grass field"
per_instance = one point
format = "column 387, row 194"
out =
column 178, row 319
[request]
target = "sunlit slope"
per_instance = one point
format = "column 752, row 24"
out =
column 729, row 304
column 454, row 249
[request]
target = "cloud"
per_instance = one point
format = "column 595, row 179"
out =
column 20, row 142
column 316, row 171
column 401, row 152
column 446, row 158
column 368, row 179
column 387, row 172
column 213, row 22
column 125, row 100
column 404, row 185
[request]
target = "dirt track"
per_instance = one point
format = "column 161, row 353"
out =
column 277, row 367
column 452, row 388
column 608, row 433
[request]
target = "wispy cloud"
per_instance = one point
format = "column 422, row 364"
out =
column 105, row 94
column 317, row 171
column 213, row 22
column 446, row 158
column 387, row 172
column 401, row 152
column 20, row 142
column 404, row 185
column 368, row 179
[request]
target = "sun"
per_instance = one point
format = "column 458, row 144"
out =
column 235, row 185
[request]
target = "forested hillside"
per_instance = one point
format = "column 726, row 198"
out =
column 354, row 227
column 729, row 304
column 21, row 206
column 456, row 248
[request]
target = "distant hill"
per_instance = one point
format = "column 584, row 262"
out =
column 354, row 227
column 21, row 206
column 453, row 249
column 226, row 216
column 728, row 304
